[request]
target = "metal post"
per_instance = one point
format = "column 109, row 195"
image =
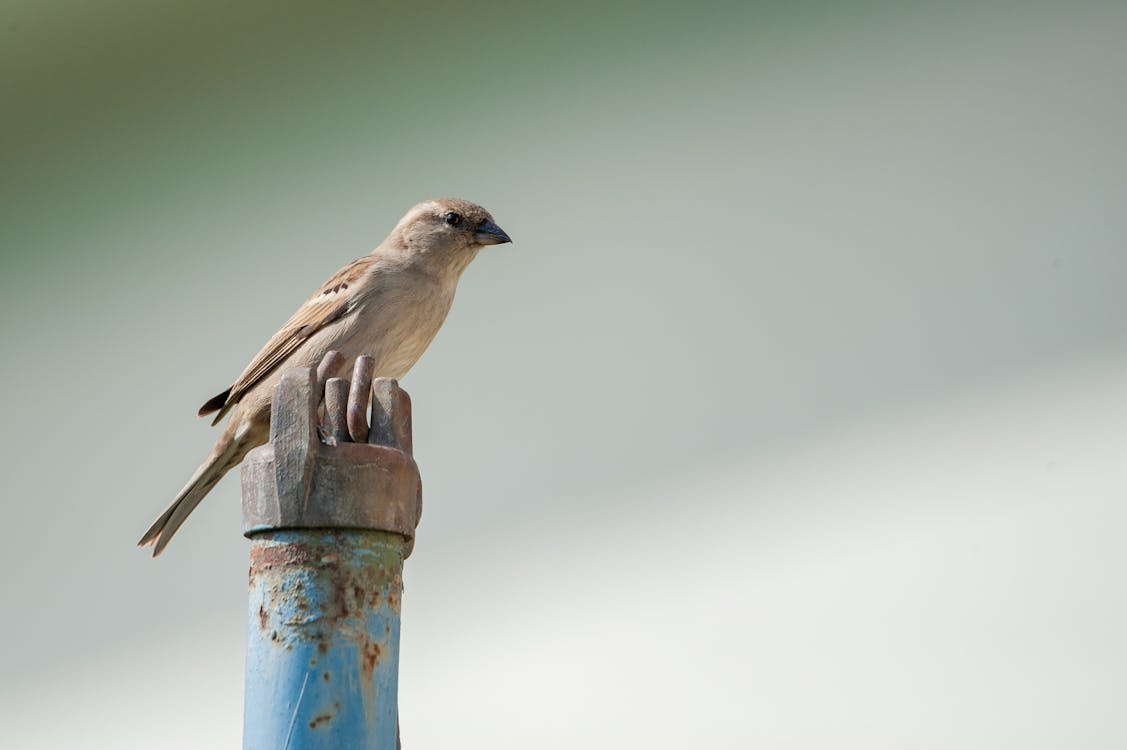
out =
column 330, row 507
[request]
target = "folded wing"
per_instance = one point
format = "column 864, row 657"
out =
column 332, row 301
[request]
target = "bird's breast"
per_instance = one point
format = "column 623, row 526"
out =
column 396, row 326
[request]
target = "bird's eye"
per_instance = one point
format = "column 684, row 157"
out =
column 453, row 219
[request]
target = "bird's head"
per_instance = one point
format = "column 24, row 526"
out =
column 447, row 230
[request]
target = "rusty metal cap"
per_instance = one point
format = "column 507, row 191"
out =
column 310, row 476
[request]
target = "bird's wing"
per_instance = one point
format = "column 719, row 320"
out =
column 333, row 300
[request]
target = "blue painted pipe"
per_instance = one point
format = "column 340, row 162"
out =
column 323, row 639
column 330, row 522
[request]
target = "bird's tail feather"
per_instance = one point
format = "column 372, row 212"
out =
column 227, row 454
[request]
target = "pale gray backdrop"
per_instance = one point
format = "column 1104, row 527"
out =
column 793, row 418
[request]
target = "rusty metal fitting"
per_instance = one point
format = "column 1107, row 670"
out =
column 328, row 465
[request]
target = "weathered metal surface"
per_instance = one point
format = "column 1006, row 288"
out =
column 380, row 487
column 323, row 640
column 293, row 438
column 330, row 523
column 335, row 430
column 297, row 481
column 329, row 367
column 391, row 415
column 358, row 398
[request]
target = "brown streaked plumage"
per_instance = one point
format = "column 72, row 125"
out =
column 326, row 306
column 388, row 305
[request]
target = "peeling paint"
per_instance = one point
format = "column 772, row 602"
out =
column 323, row 637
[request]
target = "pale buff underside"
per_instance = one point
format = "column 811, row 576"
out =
column 393, row 323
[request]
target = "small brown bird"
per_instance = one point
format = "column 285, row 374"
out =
column 388, row 305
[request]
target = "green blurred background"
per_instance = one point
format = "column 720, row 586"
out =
column 793, row 417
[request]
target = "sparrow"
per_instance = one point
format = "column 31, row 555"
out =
column 388, row 305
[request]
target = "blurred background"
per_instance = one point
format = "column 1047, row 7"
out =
column 794, row 417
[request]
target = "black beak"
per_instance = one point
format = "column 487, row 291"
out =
column 488, row 233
